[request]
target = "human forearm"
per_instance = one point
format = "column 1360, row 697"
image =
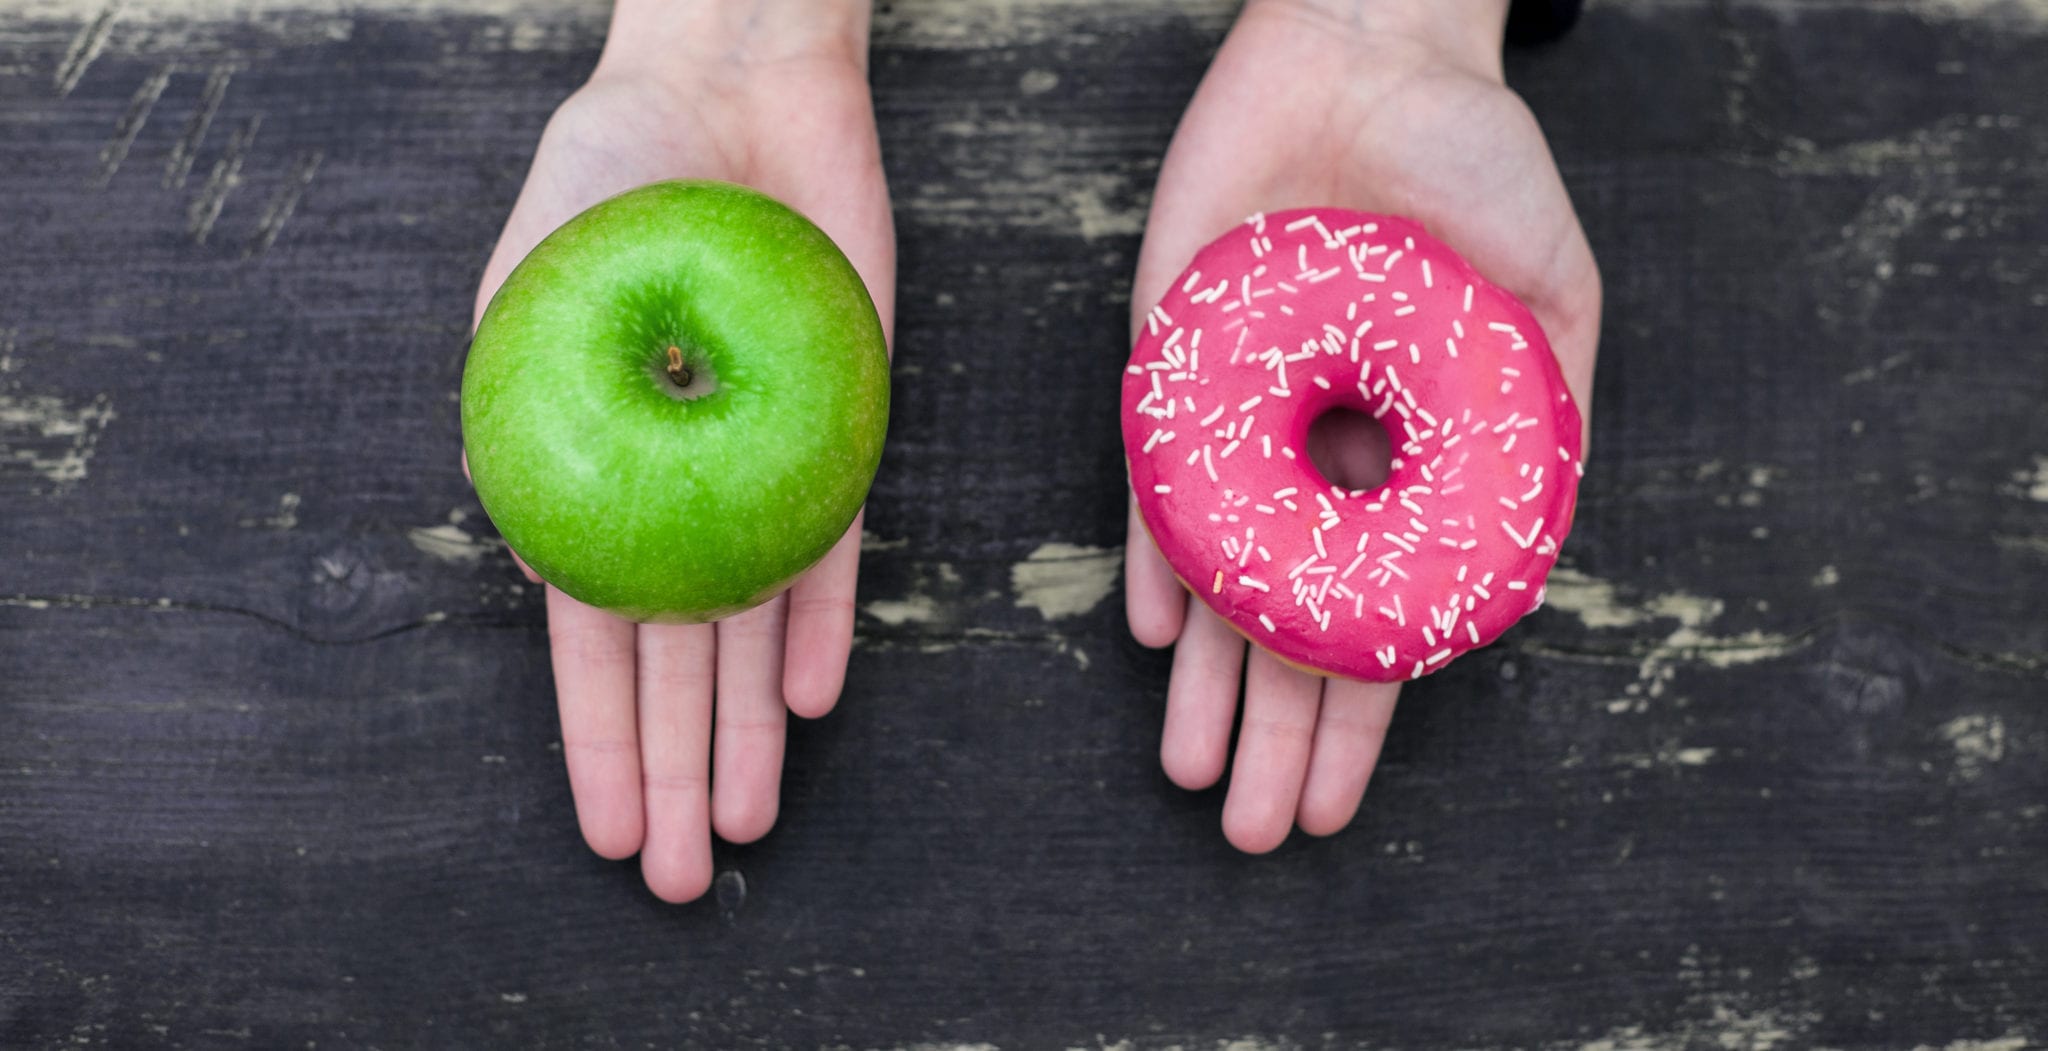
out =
column 1467, row 32
column 671, row 38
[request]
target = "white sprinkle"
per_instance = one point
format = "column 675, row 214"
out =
column 1231, row 448
column 1212, row 417
column 1404, row 311
column 1500, row 326
column 1302, row 568
column 1252, row 582
column 1267, row 621
column 1518, row 585
column 1472, row 629
column 1265, row 509
column 1210, row 466
column 1318, row 535
column 1468, row 301
column 1287, row 452
column 1266, row 445
column 1306, row 220
column 1158, row 438
column 1391, row 260
column 1451, row 344
column 1439, row 657
column 1246, row 405
column 1405, row 545
column 1194, row 277
column 1162, row 489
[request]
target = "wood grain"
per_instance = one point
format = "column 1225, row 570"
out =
column 278, row 761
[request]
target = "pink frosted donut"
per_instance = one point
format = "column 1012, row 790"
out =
column 1297, row 313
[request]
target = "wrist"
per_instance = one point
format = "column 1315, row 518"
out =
column 1465, row 33
column 678, row 40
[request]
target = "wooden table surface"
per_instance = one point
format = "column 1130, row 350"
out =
column 279, row 763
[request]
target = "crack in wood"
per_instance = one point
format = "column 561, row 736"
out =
column 226, row 175
column 130, row 124
column 168, row 605
column 186, row 149
column 84, row 49
column 284, row 202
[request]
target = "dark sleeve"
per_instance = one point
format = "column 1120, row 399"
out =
column 1540, row 21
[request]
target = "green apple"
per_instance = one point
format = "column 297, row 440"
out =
column 675, row 404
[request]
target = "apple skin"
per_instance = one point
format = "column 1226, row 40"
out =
column 629, row 497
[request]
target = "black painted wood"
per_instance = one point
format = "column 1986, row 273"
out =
column 278, row 760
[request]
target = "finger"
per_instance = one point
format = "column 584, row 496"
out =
column 1201, row 700
column 821, row 629
column 676, row 670
column 1349, row 732
column 594, row 673
column 1154, row 601
column 1272, row 753
column 746, row 745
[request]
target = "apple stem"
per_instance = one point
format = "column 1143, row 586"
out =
column 677, row 374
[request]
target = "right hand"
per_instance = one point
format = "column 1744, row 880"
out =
column 771, row 94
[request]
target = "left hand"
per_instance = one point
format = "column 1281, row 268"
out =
column 1393, row 106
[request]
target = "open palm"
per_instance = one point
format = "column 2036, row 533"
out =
column 1303, row 108
column 673, row 731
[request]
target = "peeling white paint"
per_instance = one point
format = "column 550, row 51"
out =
column 1596, row 603
column 286, row 517
column 1065, row 580
column 50, row 436
column 917, row 609
column 2032, row 485
column 452, row 543
column 1728, row 1026
column 1979, row 741
column 2013, row 1042
column 873, row 542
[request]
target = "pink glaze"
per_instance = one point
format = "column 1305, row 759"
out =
column 1296, row 313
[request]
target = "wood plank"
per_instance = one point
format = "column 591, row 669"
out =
column 280, row 763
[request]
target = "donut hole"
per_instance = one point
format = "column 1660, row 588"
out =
column 1350, row 448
